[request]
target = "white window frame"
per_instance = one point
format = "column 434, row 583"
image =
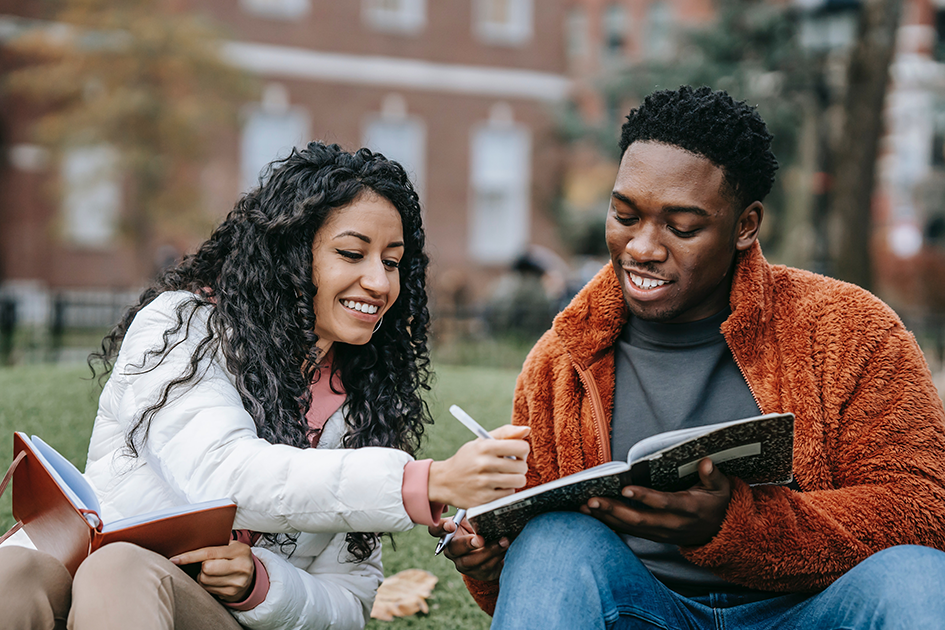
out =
column 516, row 186
column 277, row 9
column 92, row 196
column 613, row 15
column 577, row 34
column 415, row 166
column 660, row 15
column 251, row 170
column 409, row 17
column 516, row 31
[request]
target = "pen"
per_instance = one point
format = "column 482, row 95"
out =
column 475, row 427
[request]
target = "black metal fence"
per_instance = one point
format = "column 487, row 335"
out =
column 75, row 321
column 71, row 324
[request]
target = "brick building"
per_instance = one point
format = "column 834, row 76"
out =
column 462, row 92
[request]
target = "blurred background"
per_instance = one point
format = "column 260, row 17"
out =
column 128, row 128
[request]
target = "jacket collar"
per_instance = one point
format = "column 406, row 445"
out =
column 589, row 326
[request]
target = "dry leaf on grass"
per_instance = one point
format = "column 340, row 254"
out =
column 403, row 594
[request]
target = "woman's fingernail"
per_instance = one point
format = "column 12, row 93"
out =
column 504, row 543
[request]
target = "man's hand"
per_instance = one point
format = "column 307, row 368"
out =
column 689, row 517
column 469, row 552
column 226, row 572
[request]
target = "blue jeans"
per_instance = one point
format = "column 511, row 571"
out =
column 567, row 570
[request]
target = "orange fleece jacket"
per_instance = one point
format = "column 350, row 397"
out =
column 869, row 452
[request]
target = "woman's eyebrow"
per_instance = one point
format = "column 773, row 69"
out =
column 366, row 239
column 357, row 235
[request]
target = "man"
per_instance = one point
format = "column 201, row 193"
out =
column 689, row 325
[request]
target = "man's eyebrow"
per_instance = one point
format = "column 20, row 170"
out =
column 667, row 210
column 686, row 209
column 622, row 197
column 366, row 239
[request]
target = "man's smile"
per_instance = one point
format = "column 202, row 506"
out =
column 644, row 282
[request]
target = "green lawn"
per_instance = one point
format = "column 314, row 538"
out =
column 58, row 404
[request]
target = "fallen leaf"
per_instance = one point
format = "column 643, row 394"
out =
column 403, row 594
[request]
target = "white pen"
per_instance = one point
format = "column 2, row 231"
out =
column 475, row 427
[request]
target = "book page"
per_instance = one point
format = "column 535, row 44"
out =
column 67, row 476
column 156, row 515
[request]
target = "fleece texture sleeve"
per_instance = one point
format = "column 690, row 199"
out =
column 868, row 459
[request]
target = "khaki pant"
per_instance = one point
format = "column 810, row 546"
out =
column 119, row 586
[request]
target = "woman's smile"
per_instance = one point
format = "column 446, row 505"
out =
column 356, row 269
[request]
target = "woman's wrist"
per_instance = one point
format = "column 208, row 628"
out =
column 437, row 491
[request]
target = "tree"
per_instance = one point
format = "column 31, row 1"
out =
column 144, row 79
column 867, row 82
column 753, row 50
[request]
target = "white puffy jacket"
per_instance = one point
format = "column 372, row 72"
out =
column 202, row 445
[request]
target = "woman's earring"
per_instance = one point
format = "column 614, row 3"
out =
column 378, row 325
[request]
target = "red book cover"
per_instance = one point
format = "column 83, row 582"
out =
column 45, row 500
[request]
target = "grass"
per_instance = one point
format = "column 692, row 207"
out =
column 58, row 403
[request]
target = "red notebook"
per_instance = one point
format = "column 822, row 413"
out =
column 59, row 511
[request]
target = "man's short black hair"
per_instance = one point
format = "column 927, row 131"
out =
column 729, row 133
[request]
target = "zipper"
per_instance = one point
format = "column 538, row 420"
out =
column 597, row 411
column 744, row 376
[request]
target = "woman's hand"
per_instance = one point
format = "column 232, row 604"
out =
column 482, row 470
column 226, row 572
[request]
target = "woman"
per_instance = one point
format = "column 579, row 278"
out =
column 301, row 322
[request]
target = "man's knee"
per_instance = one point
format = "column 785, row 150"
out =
column 906, row 569
column 562, row 533
column 580, row 545
column 903, row 582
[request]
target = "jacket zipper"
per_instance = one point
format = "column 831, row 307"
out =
column 597, row 411
column 744, row 376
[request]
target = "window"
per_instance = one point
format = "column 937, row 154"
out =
column 939, row 51
column 402, row 140
column 500, row 183
column 92, row 195
column 404, row 16
column 506, row 22
column 269, row 135
column 938, row 138
column 278, row 9
column 659, row 32
column 576, row 35
column 613, row 33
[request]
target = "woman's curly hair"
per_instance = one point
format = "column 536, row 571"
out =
column 256, row 272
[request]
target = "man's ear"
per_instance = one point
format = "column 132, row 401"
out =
column 748, row 225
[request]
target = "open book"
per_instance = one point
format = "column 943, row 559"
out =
column 59, row 511
column 758, row 450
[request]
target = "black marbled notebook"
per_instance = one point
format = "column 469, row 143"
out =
column 757, row 450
